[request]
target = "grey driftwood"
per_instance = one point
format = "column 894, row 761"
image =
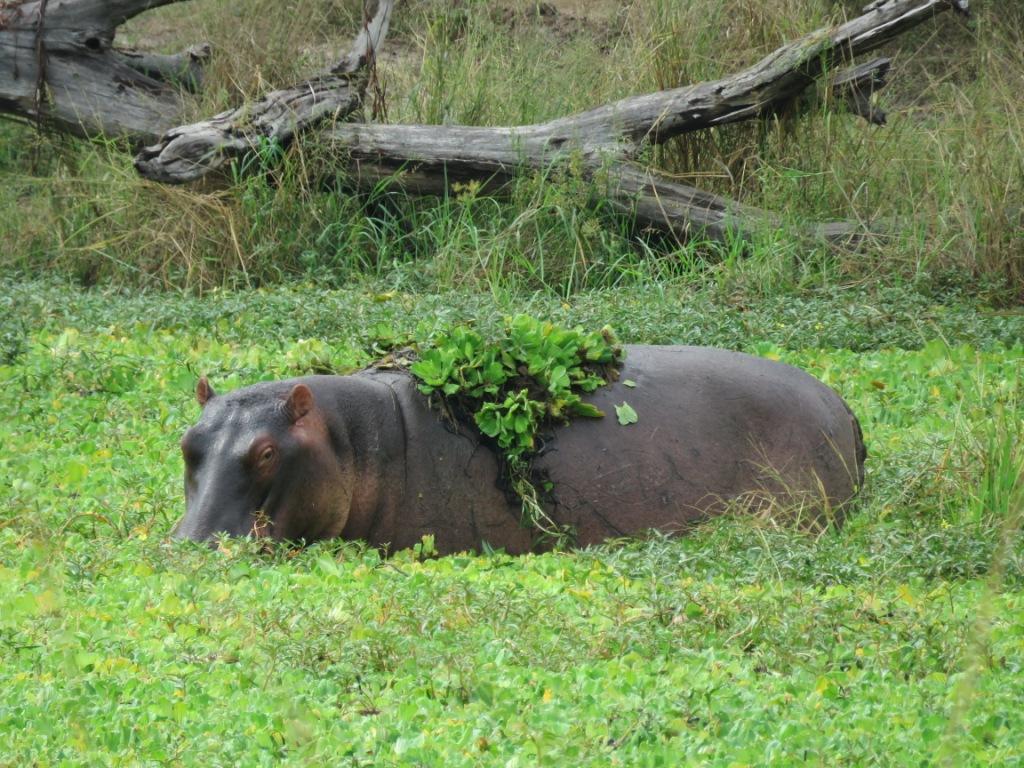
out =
column 428, row 159
column 58, row 65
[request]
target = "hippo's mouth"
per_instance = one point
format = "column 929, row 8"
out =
column 262, row 524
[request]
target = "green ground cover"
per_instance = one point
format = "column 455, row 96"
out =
column 898, row 640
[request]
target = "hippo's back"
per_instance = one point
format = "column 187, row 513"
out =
column 714, row 427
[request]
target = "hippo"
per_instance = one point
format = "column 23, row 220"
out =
column 365, row 456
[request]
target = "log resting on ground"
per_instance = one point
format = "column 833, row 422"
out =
column 609, row 138
column 190, row 152
column 58, row 66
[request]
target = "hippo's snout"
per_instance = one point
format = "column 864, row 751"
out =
column 178, row 535
column 186, row 530
column 200, row 524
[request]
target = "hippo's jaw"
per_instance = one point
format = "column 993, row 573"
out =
column 199, row 525
column 258, row 527
column 295, row 525
column 307, row 500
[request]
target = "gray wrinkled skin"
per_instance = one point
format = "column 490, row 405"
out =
column 364, row 457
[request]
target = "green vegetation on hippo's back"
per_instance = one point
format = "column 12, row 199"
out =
column 514, row 384
column 511, row 385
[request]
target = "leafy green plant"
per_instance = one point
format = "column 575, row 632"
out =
column 513, row 386
column 513, row 423
column 888, row 642
column 626, row 414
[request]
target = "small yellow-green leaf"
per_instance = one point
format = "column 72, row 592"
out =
column 626, row 414
column 587, row 410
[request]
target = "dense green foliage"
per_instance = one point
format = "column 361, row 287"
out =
column 892, row 641
column 532, row 375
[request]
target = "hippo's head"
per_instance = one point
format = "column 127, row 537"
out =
column 259, row 462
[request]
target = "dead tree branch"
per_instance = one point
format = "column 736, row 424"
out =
column 609, row 138
column 191, row 151
column 762, row 89
column 184, row 69
column 856, row 85
column 58, row 66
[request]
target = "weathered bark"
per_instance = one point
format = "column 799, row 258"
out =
column 184, row 69
column 65, row 72
column 58, row 66
column 191, row 151
column 422, row 161
column 762, row 89
column 608, row 139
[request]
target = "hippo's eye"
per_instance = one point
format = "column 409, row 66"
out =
column 266, row 455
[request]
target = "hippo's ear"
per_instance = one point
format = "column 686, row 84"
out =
column 300, row 402
column 204, row 392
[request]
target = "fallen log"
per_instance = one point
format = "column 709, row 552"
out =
column 184, row 69
column 856, row 85
column 66, row 72
column 59, row 66
column 191, row 151
column 608, row 139
column 422, row 160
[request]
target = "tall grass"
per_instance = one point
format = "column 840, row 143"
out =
column 995, row 499
column 948, row 168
